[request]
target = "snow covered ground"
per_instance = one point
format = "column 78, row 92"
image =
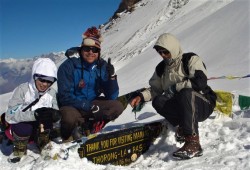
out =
column 216, row 30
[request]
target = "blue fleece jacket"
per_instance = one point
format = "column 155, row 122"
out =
column 96, row 82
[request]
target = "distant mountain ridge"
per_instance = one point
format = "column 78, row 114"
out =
column 128, row 40
column 16, row 71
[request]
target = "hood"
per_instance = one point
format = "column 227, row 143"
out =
column 45, row 67
column 169, row 42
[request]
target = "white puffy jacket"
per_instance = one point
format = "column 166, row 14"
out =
column 27, row 92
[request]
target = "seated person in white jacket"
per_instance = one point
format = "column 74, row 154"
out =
column 32, row 109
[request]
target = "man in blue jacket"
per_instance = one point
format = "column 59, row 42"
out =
column 81, row 81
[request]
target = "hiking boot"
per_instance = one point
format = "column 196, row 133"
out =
column 43, row 139
column 190, row 149
column 70, row 139
column 179, row 136
column 77, row 133
column 19, row 149
column 55, row 133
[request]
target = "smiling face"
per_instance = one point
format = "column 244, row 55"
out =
column 90, row 53
column 42, row 85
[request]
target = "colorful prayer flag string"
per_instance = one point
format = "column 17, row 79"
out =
column 230, row 77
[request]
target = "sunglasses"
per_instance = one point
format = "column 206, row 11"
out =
column 44, row 81
column 93, row 49
column 165, row 52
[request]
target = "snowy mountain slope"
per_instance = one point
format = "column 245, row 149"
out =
column 204, row 27
column 198, row 25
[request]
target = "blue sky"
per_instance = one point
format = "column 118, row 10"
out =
column 33, row 27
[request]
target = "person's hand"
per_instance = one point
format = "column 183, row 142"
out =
column 46, row 112
column 47, row 116
column 169, row 93
column 44, row 117
column 110, row 69
column 135, row 101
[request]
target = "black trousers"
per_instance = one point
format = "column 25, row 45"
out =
column 185, row 109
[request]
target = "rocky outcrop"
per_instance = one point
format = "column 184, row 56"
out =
column 125, row 5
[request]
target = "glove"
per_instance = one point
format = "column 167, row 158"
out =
column 97, row 113
column 110, row 69
column 71, row 51
column 3, row 124
column 47, row 116
column 169, row 93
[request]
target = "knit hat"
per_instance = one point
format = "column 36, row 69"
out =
column 92, row 37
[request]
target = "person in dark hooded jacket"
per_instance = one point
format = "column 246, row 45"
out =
column 81, row 81
column 184, row 99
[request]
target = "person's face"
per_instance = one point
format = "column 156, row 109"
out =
column 42, row 85
column 90, row 54
column 165, row 54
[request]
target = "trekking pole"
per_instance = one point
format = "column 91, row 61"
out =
column 138, row 108
column 135, row 116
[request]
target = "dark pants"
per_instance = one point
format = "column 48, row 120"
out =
column 185, row 109
column 71, row 117
column 25, row 129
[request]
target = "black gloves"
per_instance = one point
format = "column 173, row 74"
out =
column 47, row 116
column 110, row 69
